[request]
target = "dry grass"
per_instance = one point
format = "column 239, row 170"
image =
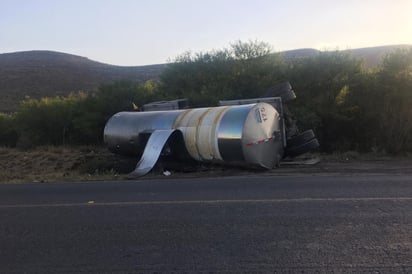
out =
column 59, row 164
column 48, row 164
column 62, row 163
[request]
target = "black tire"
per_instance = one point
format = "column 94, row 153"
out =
column 301, row 138
column 287, row 96
column 304, row 148
column 282, row 90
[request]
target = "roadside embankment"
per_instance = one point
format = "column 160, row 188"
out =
column 90, row 163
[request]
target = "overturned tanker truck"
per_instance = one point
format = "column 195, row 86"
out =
column 255, row 132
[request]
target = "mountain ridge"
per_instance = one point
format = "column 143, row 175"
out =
column 36, row 74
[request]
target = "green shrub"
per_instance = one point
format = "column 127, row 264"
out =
column 8, row 132
column 78, row 118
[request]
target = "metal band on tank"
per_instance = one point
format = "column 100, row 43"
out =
column 230, row 133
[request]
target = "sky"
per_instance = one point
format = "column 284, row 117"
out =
column 137, row 32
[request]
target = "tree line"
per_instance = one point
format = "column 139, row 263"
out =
column 350, row 106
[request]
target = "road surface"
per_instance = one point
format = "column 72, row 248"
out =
column 259, row 224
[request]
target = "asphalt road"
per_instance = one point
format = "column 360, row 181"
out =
column 259, row 224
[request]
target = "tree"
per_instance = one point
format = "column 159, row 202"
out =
column 327, row 87
column 249, row 50
column 394, row 115
column 244, row 70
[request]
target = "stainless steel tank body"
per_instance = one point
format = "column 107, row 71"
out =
column 241, row 134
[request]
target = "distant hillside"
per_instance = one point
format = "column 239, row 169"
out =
column 296, row 54
column 372, row 56
column 37, row 74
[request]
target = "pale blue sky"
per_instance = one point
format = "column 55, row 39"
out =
column 136, row 32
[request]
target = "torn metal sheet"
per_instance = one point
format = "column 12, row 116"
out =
column 152, row 151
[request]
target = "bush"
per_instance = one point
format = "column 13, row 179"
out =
column 8, row 131
column 78, row 118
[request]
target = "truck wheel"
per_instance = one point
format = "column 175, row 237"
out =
column 283, row 90
column 287, row 95
column 303, row 148
column 301, row 138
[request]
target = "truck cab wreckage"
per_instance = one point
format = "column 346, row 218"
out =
column 256, row 132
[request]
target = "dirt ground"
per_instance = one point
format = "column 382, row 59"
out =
column 55, row 164
column 48, row 164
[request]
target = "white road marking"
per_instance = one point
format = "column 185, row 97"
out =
column 197, row 202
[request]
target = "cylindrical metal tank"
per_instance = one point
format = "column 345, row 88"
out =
column 127, row 132
column 243, row 134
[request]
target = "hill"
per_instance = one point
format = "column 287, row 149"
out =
column 371, row 56
column 37, row 74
